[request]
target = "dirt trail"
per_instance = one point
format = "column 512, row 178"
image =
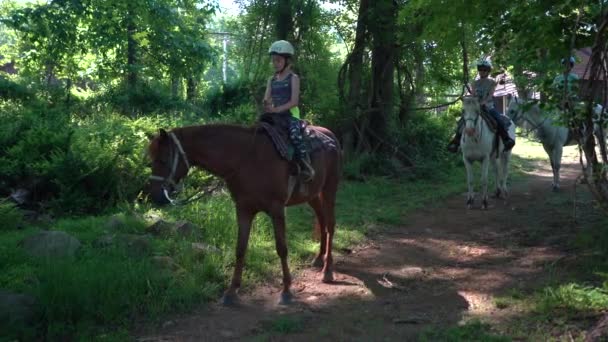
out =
column 445, row 265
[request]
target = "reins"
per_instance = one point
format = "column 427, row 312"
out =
column 174, row 156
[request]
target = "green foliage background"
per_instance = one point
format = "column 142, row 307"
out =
column 74, row 128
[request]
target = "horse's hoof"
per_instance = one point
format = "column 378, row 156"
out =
column 286, row 298
column 230, row 300
column 484, row 205
column 555, row 188
column 318, row 262
column 328, row 277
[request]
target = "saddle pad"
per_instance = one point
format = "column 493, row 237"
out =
column 492, row 122
column 313, row 139
column 278, row 140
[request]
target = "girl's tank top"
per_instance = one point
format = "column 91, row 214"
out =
column 280, row 92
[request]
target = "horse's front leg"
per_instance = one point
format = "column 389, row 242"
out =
column 556, row 165
column 485, row 164
column 555, row 159
column 470, row 194
column 244, row 219
column 497, row 175
column 278, row 222
column 505, row 159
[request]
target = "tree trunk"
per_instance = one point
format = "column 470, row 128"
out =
column 544, row 60
column 131, row 54
column 383, row 69
column 284, row 19
column 354, row 70
column 595, row 171
column 175, row 87
column 191, row 89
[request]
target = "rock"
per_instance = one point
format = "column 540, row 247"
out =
column 180, row 228
column 20, row 316
column 20, row 196
column 116, row 222
column 169, row 324
column 412, row 272
column 160, row 228
column 185, row 228
column 50, row 244
column 201, row 248
column 137, row 245
column 105, row 241
column 227, row 334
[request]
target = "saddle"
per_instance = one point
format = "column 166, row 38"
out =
column 277, row 129
column 489, row 119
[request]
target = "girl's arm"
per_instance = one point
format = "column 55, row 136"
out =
column 267, row 99
column 295, row 96
column 267, row 102
column 490, row 95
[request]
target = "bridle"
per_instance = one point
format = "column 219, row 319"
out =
column 520, row 112
column 176, row 152
column 475, row 121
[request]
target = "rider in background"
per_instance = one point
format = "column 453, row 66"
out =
column 483, row 88
column 566, row 84
column 282, row 98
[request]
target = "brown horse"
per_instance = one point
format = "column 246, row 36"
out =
column 257, row 179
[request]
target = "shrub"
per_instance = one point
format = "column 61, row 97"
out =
column 10, row 216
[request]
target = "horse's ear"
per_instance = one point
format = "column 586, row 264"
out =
column 162, row 133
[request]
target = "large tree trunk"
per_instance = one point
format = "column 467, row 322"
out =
column 383, row 69
column 353, row 67
column 284, row 19
column 175, row 87
column 131, row 53
column 191, row 89
column 595, row 168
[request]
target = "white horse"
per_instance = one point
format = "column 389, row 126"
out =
column 478, row 144
column 552, row 137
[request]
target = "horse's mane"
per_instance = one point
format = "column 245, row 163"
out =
column 470, row 104
column 206, row 130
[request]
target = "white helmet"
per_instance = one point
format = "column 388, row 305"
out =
column 281, row 47
column 484, row 63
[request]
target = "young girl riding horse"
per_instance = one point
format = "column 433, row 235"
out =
column 483, row 89
column 282, row 98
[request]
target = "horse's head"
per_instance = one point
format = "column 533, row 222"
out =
column 515, row 110
column 471, row 111
column 169, row 165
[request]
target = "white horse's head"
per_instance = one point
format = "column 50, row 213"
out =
column 471, row 111
column 515, row 110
